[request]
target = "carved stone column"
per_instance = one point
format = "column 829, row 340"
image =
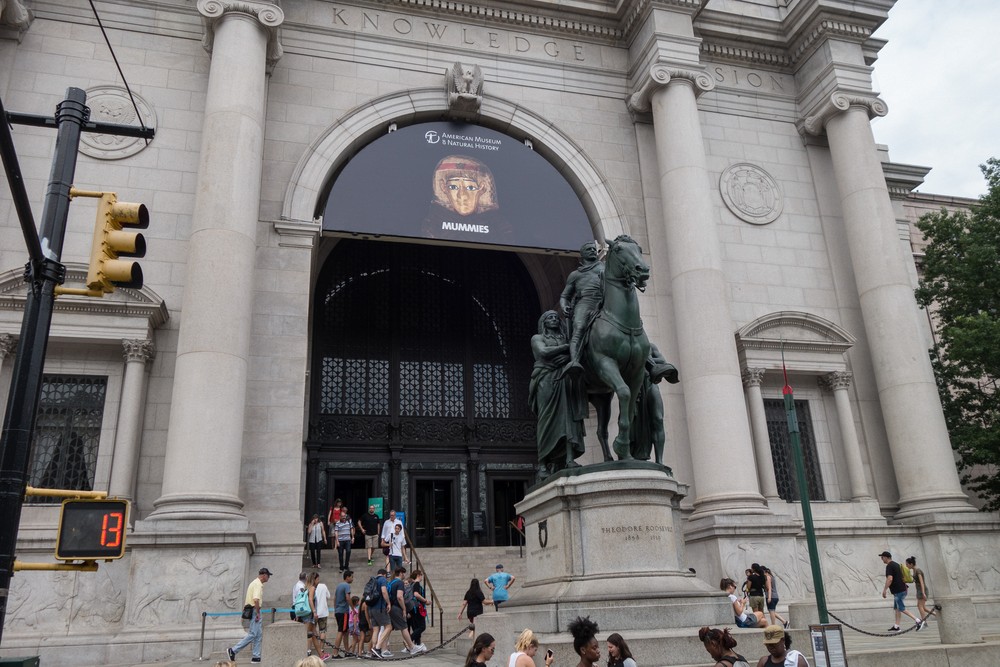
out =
column 201, row 477
column 128, row 432
column 713, row 392
column 918, row 438
column 838, row 383
column 752, row 380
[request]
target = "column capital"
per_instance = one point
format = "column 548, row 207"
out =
column 753, row 377
column 836, row 380
column 270, row 17
column 138, row 350
column 661, row 74
column 815, row 119
column 15, row 19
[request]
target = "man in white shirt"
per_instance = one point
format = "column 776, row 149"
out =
column 388, row 528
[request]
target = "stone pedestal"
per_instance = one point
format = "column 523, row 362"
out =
column 958, row 623
column 603, row 541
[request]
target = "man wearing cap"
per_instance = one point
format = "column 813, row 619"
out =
column 255, row 634
column 894, row 583
column 499, row 582
column 779, row 653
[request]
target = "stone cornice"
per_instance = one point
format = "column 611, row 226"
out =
column 296, row 234
column 638, row 10
column 660, row 75
column 902, row 179
column 744, row 54
column 270, row 16
column 826, row 28
column 814, row 120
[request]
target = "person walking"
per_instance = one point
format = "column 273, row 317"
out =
column 341, row 612
column 771, row 598
column 379, row 613
column 472, row 603
column 369, row 524
column 417, row 620
column 312, row 634
column 920, row 583
column 316, row 537
column 385, row 537
column 499, row 582
column 322, row 601
column 345, row 539
column 720, row 645
column 255, row 633
column 894, row 584
column 397, row 548
column 299, row 586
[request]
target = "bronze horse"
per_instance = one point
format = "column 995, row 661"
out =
column 615, row 355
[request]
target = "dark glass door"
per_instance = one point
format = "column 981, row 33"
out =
column 433, row 513
column 506, row 493
column 354, row 493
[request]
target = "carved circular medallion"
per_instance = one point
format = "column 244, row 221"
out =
column 111, row 104
column 751, row 193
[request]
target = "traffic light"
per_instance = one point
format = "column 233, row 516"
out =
column 112, row 241
column 92, row 530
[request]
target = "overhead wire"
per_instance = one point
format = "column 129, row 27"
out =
column 114, row 57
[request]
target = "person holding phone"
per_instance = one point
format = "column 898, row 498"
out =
column 524, row 651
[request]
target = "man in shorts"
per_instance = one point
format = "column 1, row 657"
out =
column 397, row 612
column 499, row 582
column 341, row 611
column 894, row 583
column 379, row 613
column 369, row 524
column 322, row 596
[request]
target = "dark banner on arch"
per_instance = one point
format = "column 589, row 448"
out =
column 457, row 183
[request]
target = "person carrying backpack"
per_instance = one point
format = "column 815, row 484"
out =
column 720, row 645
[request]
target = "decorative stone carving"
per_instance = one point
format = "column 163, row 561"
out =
column 815, row 122
column 138, row 350
column 187, row 585
column 111, row 104
column 836, row 380
column 7, row 345
column 270, row 16
column 753, row 377
column 13, row 14
column 464, row 87
column 751, row 193
column 660, row 75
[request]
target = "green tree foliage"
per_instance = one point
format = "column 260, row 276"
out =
column 961, row 287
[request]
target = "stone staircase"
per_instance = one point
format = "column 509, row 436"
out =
column 448, row 571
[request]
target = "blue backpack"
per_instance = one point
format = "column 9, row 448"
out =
column 301, row 604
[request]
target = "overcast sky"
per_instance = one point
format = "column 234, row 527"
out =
column 940, row 76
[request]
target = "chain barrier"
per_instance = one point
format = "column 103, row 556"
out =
column 397, row 658
column 897, row 633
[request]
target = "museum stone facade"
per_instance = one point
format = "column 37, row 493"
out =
column 282, row 353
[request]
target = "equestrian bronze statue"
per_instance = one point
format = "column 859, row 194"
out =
column 606, row 355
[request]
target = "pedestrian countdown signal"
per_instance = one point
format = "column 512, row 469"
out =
column 92, row 530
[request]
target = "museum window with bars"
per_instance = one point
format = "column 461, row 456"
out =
column 781, row 450
column 67, row 433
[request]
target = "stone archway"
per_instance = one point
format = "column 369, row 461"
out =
column 329, row 151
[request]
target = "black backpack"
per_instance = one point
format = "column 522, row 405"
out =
column 372, row 592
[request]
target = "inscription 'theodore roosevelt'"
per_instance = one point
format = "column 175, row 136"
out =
column 455, row 34
column 609, row 530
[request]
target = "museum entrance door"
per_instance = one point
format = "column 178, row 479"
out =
column 433, row 513
column 506, row 493
column 354, row 493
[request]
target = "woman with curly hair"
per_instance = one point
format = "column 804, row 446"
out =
column 619, row 654
column 585, row 644
column 720, row 645
column 481, row 651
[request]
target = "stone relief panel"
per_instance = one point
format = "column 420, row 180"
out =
column 783, row 566
column 185, row 584
column 972, row 565
column 751, row 193
column 111, row 104
column 53, row 601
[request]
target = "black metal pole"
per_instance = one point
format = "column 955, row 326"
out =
column 26, row 384
column 21, row 202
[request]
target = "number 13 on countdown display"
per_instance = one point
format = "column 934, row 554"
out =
column 92, row 530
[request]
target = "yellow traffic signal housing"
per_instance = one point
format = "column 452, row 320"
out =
column 112, row 241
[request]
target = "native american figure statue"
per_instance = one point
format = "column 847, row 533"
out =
column 464, row 86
